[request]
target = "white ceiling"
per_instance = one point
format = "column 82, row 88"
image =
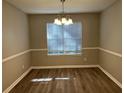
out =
column 54, row 6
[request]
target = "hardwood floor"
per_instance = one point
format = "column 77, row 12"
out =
column 76, row 80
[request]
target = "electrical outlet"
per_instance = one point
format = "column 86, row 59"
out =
column 85, row 58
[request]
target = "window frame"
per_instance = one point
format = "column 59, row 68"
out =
column 64, row 52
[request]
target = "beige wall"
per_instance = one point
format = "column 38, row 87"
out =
column 111, row 39
column 42, row 59
column 90, row 24
column 15, row 40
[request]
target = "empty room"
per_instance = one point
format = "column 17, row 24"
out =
column 61, row 46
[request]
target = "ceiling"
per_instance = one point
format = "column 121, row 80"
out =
column 54, row 6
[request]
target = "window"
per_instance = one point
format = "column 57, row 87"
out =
column 64, row 39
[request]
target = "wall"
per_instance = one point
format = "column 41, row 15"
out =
column 15, row 40
column 111, row 39
column 90, row 24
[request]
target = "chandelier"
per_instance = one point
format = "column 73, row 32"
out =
column 63, row 19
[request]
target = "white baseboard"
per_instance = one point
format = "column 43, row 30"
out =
column 81, row 66
column 17, row 81
column 45, row 67
column 110, row 76
column 67, row 66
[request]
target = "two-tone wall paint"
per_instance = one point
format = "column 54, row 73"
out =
column 111, row 39
column 90, row 35
column 15, row 40
column 25, row 43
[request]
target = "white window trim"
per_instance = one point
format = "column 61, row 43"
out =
column 63, row 54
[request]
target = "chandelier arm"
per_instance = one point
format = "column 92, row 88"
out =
column 63, row 20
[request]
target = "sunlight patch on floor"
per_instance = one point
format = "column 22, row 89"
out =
column 48, row 79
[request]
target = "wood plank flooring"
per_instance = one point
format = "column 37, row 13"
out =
column 76, row 80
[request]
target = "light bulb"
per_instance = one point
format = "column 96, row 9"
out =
column 70, row 21
column 64, row 20
column 57, row 22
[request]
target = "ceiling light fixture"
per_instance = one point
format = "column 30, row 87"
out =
column 63, row 19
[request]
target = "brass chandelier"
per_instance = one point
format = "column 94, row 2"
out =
column 63, row 19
